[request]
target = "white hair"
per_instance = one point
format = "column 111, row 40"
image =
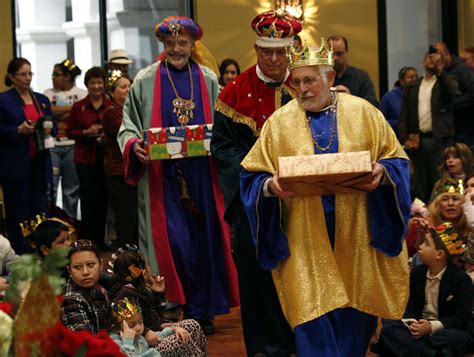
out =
column 324, row 70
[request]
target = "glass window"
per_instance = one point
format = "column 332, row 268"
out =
column 49, row 31
column 130, row 26
column 427, row 15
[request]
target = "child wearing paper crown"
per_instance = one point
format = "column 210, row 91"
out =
column 438, row 314
column 127, row 329
column 51, row 234
column 137, row 282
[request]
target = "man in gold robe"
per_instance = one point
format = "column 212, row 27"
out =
column 337, row 260
column 241, row 110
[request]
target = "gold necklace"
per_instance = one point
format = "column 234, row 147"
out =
column 183, row 108
column 329, row 110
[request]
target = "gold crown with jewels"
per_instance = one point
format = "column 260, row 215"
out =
column 124, row 309
column 308, row 56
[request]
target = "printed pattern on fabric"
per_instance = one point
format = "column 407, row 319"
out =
column 172, row 347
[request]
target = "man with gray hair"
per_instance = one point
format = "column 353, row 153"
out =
column 327, row 252
column 241, row 110
column 181, row 231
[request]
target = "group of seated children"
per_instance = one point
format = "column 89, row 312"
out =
column 86, row 305
column 132, row 308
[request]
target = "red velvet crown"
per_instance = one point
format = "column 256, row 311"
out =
column 275, row 28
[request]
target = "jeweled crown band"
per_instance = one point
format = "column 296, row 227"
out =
column 322, row 56
column 273, row 42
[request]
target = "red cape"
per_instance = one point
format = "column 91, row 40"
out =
column 248, row 100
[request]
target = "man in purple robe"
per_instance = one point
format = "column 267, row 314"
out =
column 181, row 226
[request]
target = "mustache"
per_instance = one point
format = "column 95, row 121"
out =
column 176, row 54
column 305, row 94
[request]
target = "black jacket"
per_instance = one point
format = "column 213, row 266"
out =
column 454, row 299
column 359, row 83
column 444, row 92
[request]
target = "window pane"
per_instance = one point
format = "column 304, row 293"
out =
column 49, row 31
column 130, row 26
column 426, row 14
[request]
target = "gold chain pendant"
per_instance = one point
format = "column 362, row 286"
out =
column 183, row 108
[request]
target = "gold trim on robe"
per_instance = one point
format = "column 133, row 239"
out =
column 314, row 280
column 237, row 117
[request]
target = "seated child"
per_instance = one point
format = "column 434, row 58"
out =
column 50, row 234
column 135, row 281
column 438, row 312
column 127, row 329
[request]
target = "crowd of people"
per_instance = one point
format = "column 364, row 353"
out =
column 221, row 228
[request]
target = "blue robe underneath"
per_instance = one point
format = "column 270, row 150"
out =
column 345, row 331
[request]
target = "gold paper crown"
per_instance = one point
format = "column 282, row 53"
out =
column 113, row 76
column 310, row 56
column 69, row 64
column 29, row 226
column 450, row 238
column 124, row 309
column 450, row 186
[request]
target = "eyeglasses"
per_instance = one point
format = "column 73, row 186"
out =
column 269, row 53
column 307, row 81
column 82, row 243
column 24, row 74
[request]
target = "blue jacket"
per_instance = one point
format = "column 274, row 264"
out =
column 390, row 106
column 13, row 146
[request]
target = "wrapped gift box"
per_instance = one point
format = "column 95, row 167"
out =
column 316, row 175
column 178, row 142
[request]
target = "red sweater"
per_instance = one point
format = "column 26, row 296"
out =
column 83, row 116
column 113, row 161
